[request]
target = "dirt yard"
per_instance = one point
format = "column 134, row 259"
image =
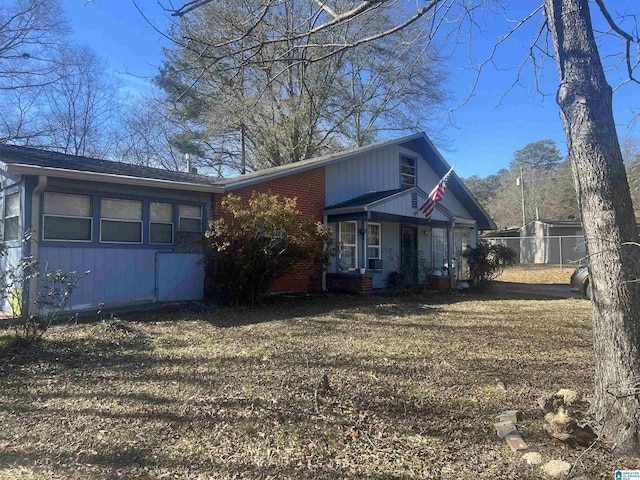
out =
column 308, row 387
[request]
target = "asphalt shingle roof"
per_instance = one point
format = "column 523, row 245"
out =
column 365, row 199
column 11, row 154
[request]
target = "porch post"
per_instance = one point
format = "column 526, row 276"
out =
column 324, row 269
column 366, row 243
column 450, row 247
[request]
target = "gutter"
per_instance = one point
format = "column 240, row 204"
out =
column 22, row 169
column 35, row 217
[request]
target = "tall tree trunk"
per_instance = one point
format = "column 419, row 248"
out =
column 585, row 101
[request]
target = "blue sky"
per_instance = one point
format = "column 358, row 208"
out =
column 482, row 134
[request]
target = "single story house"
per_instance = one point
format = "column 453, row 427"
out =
column 136, row 228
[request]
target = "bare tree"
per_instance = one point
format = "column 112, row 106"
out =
column 31, row 34
column 80, row 105
column 289, row 100
column 31, row 31
column 148, row 136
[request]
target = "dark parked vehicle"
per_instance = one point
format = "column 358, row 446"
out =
column 580, row 281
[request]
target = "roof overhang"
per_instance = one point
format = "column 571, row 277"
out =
column 22, row 169
column 397, row 205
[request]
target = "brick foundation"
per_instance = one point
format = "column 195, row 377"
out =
column 439, row 283
column 350, row 283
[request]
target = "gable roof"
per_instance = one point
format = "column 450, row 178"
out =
column 417, row 142
column 31, row 161
column 372, row 201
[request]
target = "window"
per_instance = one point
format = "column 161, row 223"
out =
column 190, row 218
column 67, row 217
column 160, row 223
column 12, row 217
column 348, row 238
column 439, row 247
column 407, row 171
column 373, row 241
column 120, row 221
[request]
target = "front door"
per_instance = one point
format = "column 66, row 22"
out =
column 409, row 254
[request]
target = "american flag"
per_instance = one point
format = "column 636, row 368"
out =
column 435, row 196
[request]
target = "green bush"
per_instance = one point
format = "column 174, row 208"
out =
column 487, row 260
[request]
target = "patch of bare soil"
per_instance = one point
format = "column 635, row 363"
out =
column 325, row 387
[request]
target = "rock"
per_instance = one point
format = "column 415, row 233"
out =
column 565, row 428
column 505, row 428
column 569, row 396
column 556, row 468
column 508, row 416
column 532, row 458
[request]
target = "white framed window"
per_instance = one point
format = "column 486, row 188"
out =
column 374, row 245
column 120, row 220
column 160, row 223
column 12, row 217
column 190, row 218
column 439, row 247
column 407, row 171
column 348, row 236
column 67, row 217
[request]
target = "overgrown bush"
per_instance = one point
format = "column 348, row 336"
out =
column 487, row 260
column 255, row 242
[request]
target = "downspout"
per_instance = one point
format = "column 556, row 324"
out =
column 35, row 222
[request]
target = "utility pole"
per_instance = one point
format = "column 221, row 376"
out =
column 521, row 183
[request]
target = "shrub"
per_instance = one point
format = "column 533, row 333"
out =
column 54, row 290
column 487, row 261
column 254, row 243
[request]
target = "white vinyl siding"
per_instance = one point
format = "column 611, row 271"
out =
column 67, row 217
column 120, row 221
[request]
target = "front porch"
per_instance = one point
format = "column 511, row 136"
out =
column 387, row 243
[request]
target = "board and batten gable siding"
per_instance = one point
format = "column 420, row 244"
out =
column 427, row 179
column 375, row 171
column 379, row 171
column 309, row 189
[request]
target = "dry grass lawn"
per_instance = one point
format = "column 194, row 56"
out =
column 238, row 393
column 548, row 274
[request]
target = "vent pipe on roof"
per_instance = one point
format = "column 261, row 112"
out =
column 187, row 159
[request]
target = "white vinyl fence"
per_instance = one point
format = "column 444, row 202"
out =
column 553, row 250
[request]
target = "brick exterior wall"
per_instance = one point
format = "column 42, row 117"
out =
column 309, row 188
